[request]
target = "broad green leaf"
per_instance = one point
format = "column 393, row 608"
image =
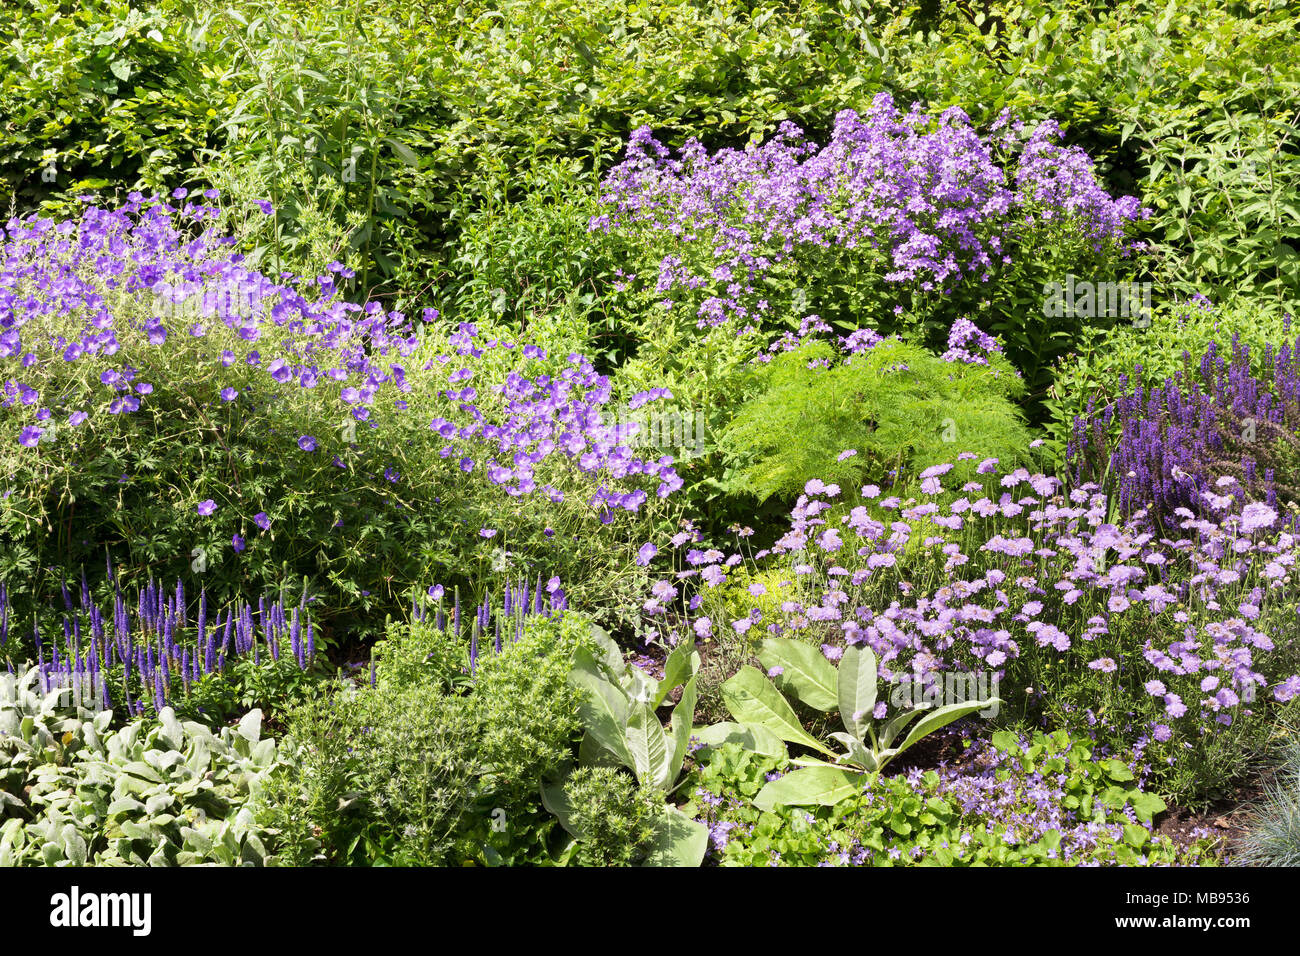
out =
column 678, row 840
column 805, row 671
column 683, row 715
column 856, row 753
column 1147, row 805
column 680, row 665
column 857, row 689
column 250, row 726
column 647, row 744
column 604, row 709
column 942, row 718
column 752, row 699
column 753, row 737
column 811, row 786
column 611, row 658
column 592, row 753
column 557, row 803
column 896, row 724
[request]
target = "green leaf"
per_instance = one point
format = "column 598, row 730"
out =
column 648, row 745
column 811, row 786
column 74, row 846
column 683, row 716
column 805, row 671
column 604, row 709
column 755, row 738
column 1147, row 805
column 1134, row 835
column 404, row 152
column 942, row 718
column 752, row 699
column 680, row 665
column 678, row 840
column 896, row 724
column 857, row 689
column 611, row 659
column 250, row 726
column 592, row 753
column 1118, row 771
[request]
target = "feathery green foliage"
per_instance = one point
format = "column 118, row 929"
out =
column 899, row 406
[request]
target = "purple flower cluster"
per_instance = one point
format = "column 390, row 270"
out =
column 925, row 197
column 967, row 344
column 67, row 289
column 153, row 644
column 1191, row 443
column 72, row 292
column 1022, row 573
column 536, row 417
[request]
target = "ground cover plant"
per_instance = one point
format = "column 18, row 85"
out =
column 682, row 433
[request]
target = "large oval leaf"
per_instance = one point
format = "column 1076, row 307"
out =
column 752, row 699
column 857, row 689
column 805, row 671
column 942, row 718
column 678, row 840
column 753, row 737
column 811, row 786
column 647, row 744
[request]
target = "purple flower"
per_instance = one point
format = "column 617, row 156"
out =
column 307, row 443
column 207, row 506
column 262, row 521
column 237, row 542
column 645, row 553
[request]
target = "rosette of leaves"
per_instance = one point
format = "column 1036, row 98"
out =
column 156, row 792
column 764, row 716
column 623, row 729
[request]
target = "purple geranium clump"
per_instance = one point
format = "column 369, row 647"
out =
column 72, row 292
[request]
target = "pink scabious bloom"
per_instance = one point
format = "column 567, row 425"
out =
column 1288, row 689
column 1256, row 516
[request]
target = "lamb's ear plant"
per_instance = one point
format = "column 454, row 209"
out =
column 622, row 729
column 759, row 706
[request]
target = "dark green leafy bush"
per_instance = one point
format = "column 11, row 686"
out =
column 422, row 769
